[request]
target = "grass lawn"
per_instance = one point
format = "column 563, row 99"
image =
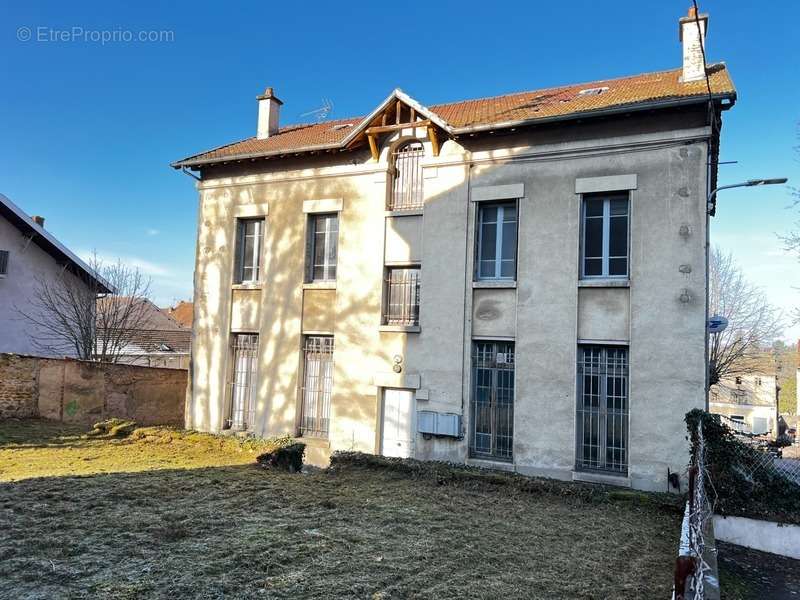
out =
column 181, row 515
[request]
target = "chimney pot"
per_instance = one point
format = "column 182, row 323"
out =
column 694, row 42
column 38, row 220
column 269, row 106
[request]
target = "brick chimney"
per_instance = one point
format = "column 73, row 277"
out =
column 269, row 108
column 694, row 42
column 38, row 220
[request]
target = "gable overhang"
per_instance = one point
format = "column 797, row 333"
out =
column 47, row 242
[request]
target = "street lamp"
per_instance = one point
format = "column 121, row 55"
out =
column 712, row 204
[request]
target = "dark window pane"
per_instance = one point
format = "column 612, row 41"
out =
column 488, row 214
column 619, row 207
column 593, row 242
column 488, row 241
column 593, row 266
column 618, row 240
column 486, row 268
column 594, row 207
column 617, row 266
column 509, row 213
column 509, row 249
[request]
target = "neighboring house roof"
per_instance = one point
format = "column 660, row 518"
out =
column 160, row 342
column 645, row 91
column 158, row 331
column 47, row 242
column 182, row 312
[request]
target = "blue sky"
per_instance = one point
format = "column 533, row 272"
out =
column 89, row 128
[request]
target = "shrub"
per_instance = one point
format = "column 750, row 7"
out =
column 744, row 482
column 113, row 428
column 286, row 455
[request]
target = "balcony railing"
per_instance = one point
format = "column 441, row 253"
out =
column 407, row 184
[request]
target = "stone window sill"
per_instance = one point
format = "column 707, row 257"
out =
column 400, row 328
column 247, row 286
column 319, row 285
column 403, row 213
column 604, row 283
column 494, row 283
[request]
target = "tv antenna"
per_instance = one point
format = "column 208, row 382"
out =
column 321, row 113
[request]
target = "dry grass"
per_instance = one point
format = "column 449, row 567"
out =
column 187, row 515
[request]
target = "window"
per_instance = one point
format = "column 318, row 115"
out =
column 605, row 235
column 758, row 381
column 3, row 263
column 323, row 235
column 602, row 419
column 406, row 191
column 497, row 241
column 738, row 380
column 492, row 414
column 248, row 250
column 401, row 297
column 243, row 381
column 317, row 386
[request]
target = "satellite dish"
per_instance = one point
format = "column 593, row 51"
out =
column 717, row 324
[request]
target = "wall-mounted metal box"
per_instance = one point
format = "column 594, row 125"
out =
column 434, row 423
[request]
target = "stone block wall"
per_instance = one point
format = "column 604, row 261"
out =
column 77, row 391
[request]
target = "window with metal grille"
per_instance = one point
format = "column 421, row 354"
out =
column 243, row 381
column 3, row 263
column 497, row 241
column 401, row 297
column 492, row 414
column 602, row 419
column 407, row 190
column 322, row 247
column 317, row 386
column 605, row 235
column 250, row 233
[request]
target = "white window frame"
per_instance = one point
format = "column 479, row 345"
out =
column 607, row 197
column 501, row 205
column 328, row 264
column 257, row 248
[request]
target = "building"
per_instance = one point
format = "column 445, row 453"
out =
column 182, row 312
column 158, row 340
column 30, row 256
column 517, row 281
column 748, row 403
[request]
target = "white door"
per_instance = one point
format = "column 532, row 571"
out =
column 398, row 423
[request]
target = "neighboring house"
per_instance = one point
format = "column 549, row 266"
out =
column 159, row 340
column 182, row 312
column 30, row 255
column 516, row 281
column 748, row 403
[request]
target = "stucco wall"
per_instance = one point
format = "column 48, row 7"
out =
column 83, row 392
column 27, row 263
column 546, row 313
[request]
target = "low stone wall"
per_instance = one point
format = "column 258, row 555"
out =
column 77, row 391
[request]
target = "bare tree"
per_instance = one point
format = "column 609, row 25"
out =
column 753, row 324
column 79, row 316
column 792, row 239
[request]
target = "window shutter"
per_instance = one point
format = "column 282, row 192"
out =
column 3, row 263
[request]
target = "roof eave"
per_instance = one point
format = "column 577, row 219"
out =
column 54, row 247
column 613, row 110
column 625, row 108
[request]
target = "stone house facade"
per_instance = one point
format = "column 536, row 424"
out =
column 516, row 282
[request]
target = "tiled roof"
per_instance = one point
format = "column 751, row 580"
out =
column 182, row 312
column 154, row 340
column 512, row 109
